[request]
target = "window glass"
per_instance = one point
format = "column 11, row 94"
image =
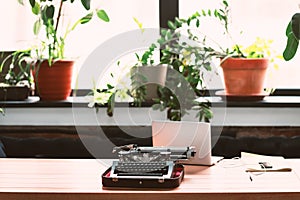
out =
column 17, row 25
column 121, row 13
column 266, row 19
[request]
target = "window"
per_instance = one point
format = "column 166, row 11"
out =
column 15, row 27
column 90, row 36
column 258, row 18
column 80, row 43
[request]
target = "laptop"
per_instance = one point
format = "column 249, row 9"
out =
column 186, row 133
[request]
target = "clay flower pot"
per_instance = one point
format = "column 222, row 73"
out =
column 53, row 82
column 244, row 76
column 155, row 75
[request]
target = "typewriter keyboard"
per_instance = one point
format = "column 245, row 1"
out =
column 141, row 169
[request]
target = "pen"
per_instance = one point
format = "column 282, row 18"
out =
column 269, row 170
column 250, row 177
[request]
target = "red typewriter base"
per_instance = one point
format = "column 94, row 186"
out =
column 145, row 182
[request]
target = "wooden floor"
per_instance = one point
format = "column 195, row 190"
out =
column 81, row 179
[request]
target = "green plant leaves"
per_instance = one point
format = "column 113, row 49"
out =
column 37, row 27
column 103, row 15
column 293, row 37
column 140, row 25
column 48, row 14
column 204, row 111
column 289, row 29
column 296, row 25
column 50, row 11
column 35, row 8
column 100, row 13
column 111, row 105
column 21, row 2
column 225, row 3
column 86, row 18
column 291, row 47
column 32, row 3
column 178, row 22
column 157, row 107
column 86, row 4
column 171, row 25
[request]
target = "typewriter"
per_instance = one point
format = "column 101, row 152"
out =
column 147, row 166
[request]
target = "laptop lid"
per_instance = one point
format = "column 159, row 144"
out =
column 185, row 133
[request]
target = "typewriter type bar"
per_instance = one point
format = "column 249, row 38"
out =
column 175, row 153
column 172, row 153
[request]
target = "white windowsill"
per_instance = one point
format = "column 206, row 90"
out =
column 68, row 116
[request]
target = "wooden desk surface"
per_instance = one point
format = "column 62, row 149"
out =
column 81, row 179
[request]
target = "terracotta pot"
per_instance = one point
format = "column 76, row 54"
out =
column 244, row 76
column 53, row 82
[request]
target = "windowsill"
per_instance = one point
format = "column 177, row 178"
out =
column 271, row 111
column 269, row 101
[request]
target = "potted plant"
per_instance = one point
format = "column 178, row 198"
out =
column 244, row 69
column 52, row 71
column 189, row 56
column 146, row 77
column 293, row 37
column 184, row 73
column 15, row 78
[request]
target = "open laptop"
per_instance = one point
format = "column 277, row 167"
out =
column 186, row 133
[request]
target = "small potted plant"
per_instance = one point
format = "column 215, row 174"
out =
column 15, row 78
column 146, row 77
column 52, row 71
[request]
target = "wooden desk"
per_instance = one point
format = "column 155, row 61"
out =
column 81, row 179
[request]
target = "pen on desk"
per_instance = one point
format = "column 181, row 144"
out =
column 250, row 177
column 269, row 170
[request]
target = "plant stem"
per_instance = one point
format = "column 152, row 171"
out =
column 59, row 15
column 56, row 28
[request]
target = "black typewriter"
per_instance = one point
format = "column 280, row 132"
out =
column 147, row 166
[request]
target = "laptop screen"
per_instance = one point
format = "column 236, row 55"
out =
column 185, row 133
